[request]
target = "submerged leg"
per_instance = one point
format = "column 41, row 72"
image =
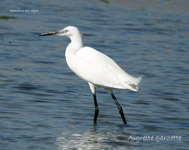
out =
column 119, row 108
column 96, row 108
column 93, row 90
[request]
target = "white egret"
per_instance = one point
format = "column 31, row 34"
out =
column 95, row 67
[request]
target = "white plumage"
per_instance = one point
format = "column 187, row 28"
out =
column 95, row 67
column 100, row 70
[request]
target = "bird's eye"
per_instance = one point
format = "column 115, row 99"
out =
column 65, row 31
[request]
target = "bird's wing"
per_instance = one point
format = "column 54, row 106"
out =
column 97, row 68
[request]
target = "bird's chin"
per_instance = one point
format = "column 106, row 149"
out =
column 61, row 34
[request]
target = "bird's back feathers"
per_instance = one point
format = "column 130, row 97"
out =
column 101, row 70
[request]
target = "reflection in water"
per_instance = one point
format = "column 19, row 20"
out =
column 91, row 140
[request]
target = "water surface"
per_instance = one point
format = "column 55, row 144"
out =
column 43, row 105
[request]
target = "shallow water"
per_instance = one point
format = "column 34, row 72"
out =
column 43, row 105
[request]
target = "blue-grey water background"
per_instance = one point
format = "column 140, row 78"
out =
column 43, row 105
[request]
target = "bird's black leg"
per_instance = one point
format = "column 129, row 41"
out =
column 119, row 108
column 96, row 108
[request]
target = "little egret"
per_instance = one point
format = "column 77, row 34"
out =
column 96, row 68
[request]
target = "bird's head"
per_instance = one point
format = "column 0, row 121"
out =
column 67, row 31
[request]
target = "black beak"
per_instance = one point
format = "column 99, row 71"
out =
column 49, row 33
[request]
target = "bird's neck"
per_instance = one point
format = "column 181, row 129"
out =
column 76, row 43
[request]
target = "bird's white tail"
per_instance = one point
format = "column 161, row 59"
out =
column 134, row 86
